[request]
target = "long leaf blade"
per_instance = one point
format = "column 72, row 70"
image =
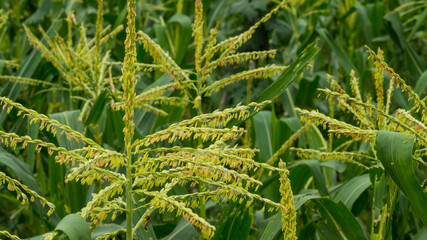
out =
column 395, row 153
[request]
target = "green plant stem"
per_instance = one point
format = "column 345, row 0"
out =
column 129, row 197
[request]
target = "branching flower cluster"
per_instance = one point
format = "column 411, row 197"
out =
column 370, row 115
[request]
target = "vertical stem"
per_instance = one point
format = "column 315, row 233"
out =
column 129, row 98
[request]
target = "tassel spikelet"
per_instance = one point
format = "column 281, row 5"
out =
column 83, row 66
column 22, row 192
column 350, row 157
column 262, row 72
column 8, row 235
column 289, row 215
column 369, row 116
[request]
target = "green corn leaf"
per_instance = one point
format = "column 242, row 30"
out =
column 273, row 228
column 75, row 191
column 338, row 221
column 97, row 110
column 181, row 26
column 235, row 222
column 316, row 171
column 183, row 231
column 421, row 234
column 75, row 227
column 292, row 73
column 263, row 134
column 301, row 199
column 105, row 228
column 71, row 119
column 395, row 153
column 421, row 85
column 352, row 190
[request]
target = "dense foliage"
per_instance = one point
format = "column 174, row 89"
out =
column 246, row 119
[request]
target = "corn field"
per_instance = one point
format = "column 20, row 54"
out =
column 226, row 119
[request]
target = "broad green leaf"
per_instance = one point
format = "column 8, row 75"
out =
column 421, row 85
column 234, row 223
column 261, row 123
column 273, row 228
column 339, row 222
column 421, row 234
column 334, row 165
column 71, row 119
column 300, row 199
column 292, row 73
column 316, row 171
column 105, row 228
column 280, row 132
column 75, row 227
column 299, row 177
column 352, row 189
column 183, row 231
column 315, row 139
column 181, row 26
column 97, row 110
column 76, row 193
column 288, row 103
column 41, row 12
column 395, row 153
column 295, row 124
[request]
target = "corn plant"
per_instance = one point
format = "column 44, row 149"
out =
column 143, row 175
column 394, row 141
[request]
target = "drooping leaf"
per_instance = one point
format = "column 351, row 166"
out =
column 97, row 110
column 75, row 227
column 316, row 171
column 184, row 230
column 292, row 73
column 395, row 153
column 339, row 222
column 235, row 222
column 105, row 228
column 352, row 189
column 76, row 192
column 273, row 228
column 421, row 85
column 263, row 133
